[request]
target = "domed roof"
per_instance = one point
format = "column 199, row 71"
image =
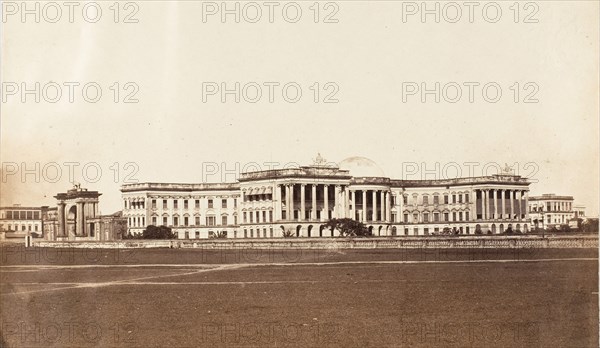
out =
column 361, row 167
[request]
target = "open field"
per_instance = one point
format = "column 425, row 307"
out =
column 318, row 298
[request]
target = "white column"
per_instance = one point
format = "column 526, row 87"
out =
column 291, row 209
column 503, row 195
column 80, row 230
column 496, row 204
column 313, row 213
column 382, row 200
column 526, row 206
column 473, row 201
column 388, row 206
column 325, row 215
column 374, row 215
column 353, row 212
column 518, row 199
column 287, row 202
column 276, row 202
column 512, row 203
column 346, row 202
column 364, row 206
column 336, row 202
column 483, row 202
column 302, row 202
column 62, row 224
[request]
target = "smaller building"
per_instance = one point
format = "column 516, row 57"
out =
column 550, row 210
column 579, row 211
column 19, row 221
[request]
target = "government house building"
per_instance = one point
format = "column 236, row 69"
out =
column 299, row 201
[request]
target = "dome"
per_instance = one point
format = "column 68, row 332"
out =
column 361, row 167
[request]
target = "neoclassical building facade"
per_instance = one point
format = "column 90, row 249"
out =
column 299, row 201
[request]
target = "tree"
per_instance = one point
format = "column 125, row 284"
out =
column 288, row 233
column 590, row 225
column 158, row 232
column 348, row 227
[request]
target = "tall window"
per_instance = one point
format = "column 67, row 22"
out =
column 164, row 221
column 425, row 200
column 466, row 198
column 264, row 216
column 197, row 204
column 467, row 216
column 445, row 199
column 436, row 199
column 415, row 217
column 446, row 217
column 244, row 217
column 186, row 221
column 425, row 217
column 453, row 216
column 404, row 199
column 210, row 220
column 224, row 220
column 175, row 221
column 154, row 204
column 164, row 204
column 224, row 203
column 175, row 201
column 197, row 222
column 406, row 218
column 210, row 203
column 436, row 217
column 185, row 204
column 270, row 216
column 154, row 220
column 453, row 198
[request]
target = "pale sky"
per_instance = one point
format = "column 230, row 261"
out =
column 171, row 135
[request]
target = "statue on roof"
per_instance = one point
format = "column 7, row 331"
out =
column 319, row 161
column 508, row 170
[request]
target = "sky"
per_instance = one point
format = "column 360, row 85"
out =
column 516, row 86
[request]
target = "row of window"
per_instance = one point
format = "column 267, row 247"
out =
column 140, row 221
column 21, row 215
column 211, row 203
column 436, row 230
column 22, row 228
column 455, row 198
column 258, row 216
column 247, row 233
column 553, row 206
column 456, row 216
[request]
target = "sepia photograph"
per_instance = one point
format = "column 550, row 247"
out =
column 307, row 173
